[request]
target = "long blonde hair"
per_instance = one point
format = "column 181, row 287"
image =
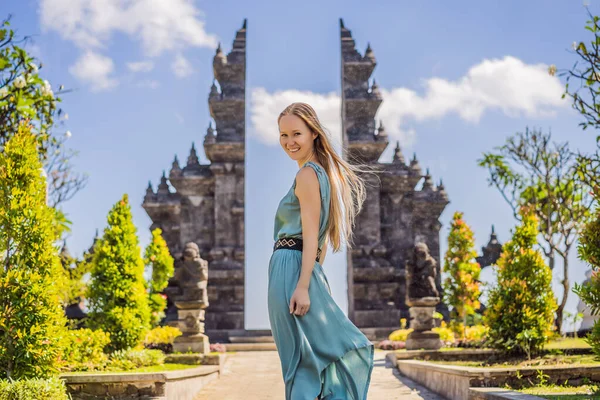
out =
column 347, row 187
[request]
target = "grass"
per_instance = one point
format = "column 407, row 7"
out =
column 556, row 392
column 567, row 343
column 153, row 368
column 547, row 360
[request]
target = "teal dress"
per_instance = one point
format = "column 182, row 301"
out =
column 323, row 354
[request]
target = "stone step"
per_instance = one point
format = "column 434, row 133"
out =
column 250, row 346
column 251, row 339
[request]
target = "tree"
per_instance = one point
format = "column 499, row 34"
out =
column 589, row 251
column 31, row 317
column 157, row 256
column 25, row 96
column 531, row 170
column 521, row 305
column 117, row 290
column 583, row 87
column 461, row 286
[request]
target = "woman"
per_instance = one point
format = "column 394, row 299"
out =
column 324, row 356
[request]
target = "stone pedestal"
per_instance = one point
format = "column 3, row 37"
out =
column 197, row 343
column 426, row 340
column 421, row 321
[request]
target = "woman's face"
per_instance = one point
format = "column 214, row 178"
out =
column 296, row 138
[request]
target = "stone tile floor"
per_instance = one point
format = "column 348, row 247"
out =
column 250, row 375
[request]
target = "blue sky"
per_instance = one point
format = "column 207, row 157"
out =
column 457, row 77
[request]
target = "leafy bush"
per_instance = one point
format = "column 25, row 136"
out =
column 161, row 338
column 131, row 359
column 477, row 332
column 31, row 318
column 446, row 334
column 84, row 350
column 157, row 256
column 521, row 306
column 399, row 335
column 589, row 251
column 461, row 286
column 33, row 389
column 117, row 292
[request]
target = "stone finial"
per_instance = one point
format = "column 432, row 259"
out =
column 428, row 184
column 398, row 157
column 214, row 91
column 375, row 88
column 193, row 157
column 245, row 25
column 175, row 168
column 369, row 53
column 149, row 191
column 442, row 190
column 381, row 130
column 90, row 251
column 342, row 23
column 64, row 252
column 163, row 187
column 219, row 52
column 210, row 134
column 414, row 164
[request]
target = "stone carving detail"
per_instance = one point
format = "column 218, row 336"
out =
column 203, row 202
column 422, row 297
column 421, row 273
column 396, row 214
column 192, row 300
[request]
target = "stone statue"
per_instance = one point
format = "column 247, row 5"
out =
column 422, row 296
column 421, row 274
column 191, row 300
column 192, row 276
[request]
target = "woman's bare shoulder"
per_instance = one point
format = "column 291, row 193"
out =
column 306, row 179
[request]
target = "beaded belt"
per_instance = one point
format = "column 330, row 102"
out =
column 293, row 244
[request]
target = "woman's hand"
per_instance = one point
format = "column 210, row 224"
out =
column 300, row 302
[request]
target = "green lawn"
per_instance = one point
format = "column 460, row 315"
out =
column 563, row 392
column 567, row 343
column 153, row 368
column 547, row 360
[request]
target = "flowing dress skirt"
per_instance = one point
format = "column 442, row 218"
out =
column 322, row 353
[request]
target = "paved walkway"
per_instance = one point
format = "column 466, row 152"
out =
column 250, row 375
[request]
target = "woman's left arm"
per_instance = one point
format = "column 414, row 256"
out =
column 308, row 193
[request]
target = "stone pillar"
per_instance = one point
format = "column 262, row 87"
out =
column 421, row 321
column 422, row 297
column 192, row 274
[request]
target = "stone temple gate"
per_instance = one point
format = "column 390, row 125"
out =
column 207, row 203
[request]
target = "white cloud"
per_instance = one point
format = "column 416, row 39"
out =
column 158, row 24
column 140, row 66
column 95, row 70
column 507, row 85
column 181, row 67
column 265, row 108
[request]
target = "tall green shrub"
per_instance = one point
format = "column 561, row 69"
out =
column 117, row 291
column 31, row 318
column 157, row 257
column 521, row 306
column 461, row 286
column 589, row 251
